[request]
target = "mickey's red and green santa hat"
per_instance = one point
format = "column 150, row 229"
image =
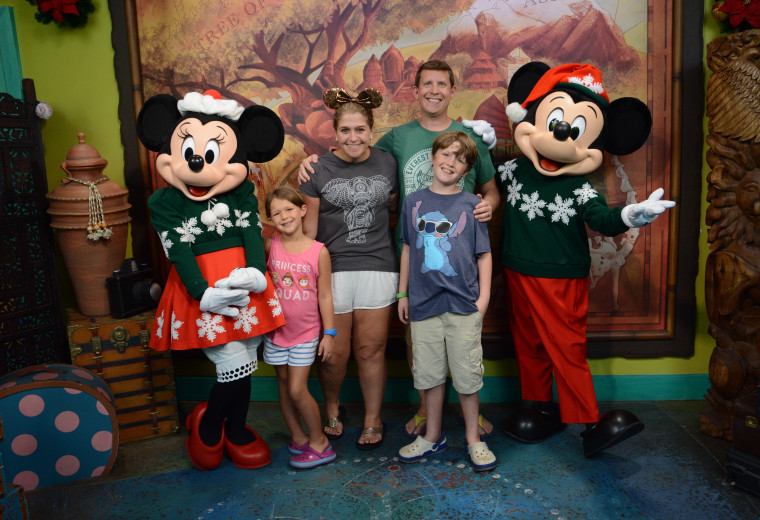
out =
column 584, row 78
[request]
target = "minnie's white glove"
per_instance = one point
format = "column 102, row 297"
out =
column 224, row 301
column 483, row 129
column 248, row 278
column 642, row 213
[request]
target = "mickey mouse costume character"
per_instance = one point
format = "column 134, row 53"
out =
column 218, row 296
column 564, row 122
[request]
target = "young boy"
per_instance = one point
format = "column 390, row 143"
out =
column 444, row 289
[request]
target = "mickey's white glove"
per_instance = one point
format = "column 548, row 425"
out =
column 224, row 301
column 248, row 278
column 642, row 213
column 483, row 129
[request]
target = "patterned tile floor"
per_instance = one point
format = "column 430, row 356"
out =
column 669, row 471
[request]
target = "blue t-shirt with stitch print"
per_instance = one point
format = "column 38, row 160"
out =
column 445, row 241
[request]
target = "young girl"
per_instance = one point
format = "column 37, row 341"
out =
column 293, row 347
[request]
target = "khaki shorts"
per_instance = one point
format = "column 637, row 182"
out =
column 448, row 342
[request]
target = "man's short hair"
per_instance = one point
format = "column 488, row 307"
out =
column 434, row 65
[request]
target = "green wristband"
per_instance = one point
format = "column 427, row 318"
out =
column 402, row 295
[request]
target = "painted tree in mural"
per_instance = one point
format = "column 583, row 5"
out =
column 265, row 47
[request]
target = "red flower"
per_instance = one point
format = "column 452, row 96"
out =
column 740, row 10
column 58, row 8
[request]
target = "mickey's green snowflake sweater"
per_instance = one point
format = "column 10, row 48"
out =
column 544, row 233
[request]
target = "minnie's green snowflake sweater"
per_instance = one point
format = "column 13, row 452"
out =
column 177, row 220
column 543, row 228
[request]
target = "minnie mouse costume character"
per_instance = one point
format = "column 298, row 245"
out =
column 564, row 122
column 218, row 296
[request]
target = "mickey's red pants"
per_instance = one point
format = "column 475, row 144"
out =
column 548, row 321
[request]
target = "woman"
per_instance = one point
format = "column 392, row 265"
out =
column 348, row 200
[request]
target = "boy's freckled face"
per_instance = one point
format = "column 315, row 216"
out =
column 448, row 167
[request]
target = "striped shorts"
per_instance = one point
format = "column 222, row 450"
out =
column 301, row 355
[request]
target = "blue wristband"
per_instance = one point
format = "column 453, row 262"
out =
column 331, row 332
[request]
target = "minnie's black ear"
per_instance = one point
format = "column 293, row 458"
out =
column 156, row 121
column 524, row 79
column 262, row 133
column 628, row 125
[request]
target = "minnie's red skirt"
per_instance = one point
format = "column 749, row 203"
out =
column 181, row 325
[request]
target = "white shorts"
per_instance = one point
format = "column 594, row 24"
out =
column 301, row 355
column 363, row 290
column 234, row 360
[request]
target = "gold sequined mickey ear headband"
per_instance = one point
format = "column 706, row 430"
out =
column 368, row 98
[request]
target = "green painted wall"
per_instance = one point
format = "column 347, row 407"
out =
column 73, row 72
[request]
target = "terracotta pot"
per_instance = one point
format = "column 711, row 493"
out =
column 91, row 253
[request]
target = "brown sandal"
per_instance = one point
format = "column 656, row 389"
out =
column 367, row 432
column 333, row 422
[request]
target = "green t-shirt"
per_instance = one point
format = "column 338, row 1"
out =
column 411, row 145
column 544, row 225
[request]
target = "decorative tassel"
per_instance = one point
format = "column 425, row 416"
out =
column 96, row 225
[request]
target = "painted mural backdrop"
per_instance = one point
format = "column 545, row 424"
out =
column 285, row 53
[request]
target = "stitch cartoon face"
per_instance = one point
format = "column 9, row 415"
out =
column 435, row 224
column 434, row 230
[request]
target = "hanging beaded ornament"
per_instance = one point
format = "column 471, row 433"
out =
column 96, row 226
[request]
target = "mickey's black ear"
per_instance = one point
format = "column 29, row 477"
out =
column 156, row 121
column 628, row 124
column 262, row 132
column 523, row 81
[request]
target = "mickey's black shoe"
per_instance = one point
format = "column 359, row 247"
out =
column 535, row 424
column 613, row 428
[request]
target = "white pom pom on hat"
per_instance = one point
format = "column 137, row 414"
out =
column 211, row 103
column 515, row 112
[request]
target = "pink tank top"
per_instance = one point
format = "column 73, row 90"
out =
column 295, row 283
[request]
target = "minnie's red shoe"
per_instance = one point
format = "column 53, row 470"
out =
column 203, row 457
column 249, row 456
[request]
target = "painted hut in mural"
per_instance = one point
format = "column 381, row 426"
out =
column 482, row 73
column 373, row 76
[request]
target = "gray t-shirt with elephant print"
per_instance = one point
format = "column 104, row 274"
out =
column 353, row 210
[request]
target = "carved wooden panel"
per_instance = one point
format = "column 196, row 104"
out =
column 32, row 329
column 732, row 288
